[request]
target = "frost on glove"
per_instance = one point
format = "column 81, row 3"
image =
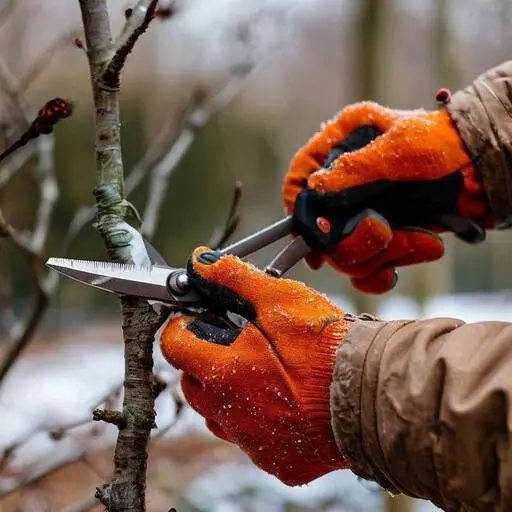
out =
column 264, row 385
column 418, row 151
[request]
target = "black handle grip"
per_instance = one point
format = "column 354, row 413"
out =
column 404, row 204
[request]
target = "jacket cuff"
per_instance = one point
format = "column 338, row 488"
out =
column 482, row 113
column 353, row 395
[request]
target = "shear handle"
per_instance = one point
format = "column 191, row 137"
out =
column 260, row 239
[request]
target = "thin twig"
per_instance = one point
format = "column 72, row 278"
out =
column 41, row 63
column 24, row 337
column 197, row 120
column 154, row 153
column 60, row 432
column 109, row 416
column 134, row 17
column 221, row 235
column 19, row 240
column 87, row 503
column 12, row 485
column 83, row 505
column 48, row 116
column 145, row 10
column 48, row 191
column 21, row 332
column 11, row 87
column 157, row 149
column 13, row 164
column 157, row 436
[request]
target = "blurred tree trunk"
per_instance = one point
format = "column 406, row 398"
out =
column 437, row 278
column 369, row 30
column 366, row 87
column 447, row 75
column 445, row 57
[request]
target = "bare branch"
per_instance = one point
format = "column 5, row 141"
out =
column 109, row 399
column 152, row 156
column 60, row 432
column 40, row 65
column 145, row 10
column 126, row 491
column 48, row 191
column 197, row 120
column 10, row 85
column 24, row 336
column 109, row 416
column 135, row 16
column 48, row 116
column 90, row 501
column 21, row 332
column 15, row 163
column 11, row 485
column 160, row 177
column 19, row 240
column 82, row 217
column 83, row 505
column 221, row 235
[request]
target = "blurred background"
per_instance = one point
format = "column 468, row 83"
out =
column 281, row 68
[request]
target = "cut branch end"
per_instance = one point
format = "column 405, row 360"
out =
column 108, row 416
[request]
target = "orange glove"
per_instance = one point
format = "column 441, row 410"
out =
column 263, row 386
column 361, row 152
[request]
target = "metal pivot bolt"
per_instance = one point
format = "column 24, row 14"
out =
column 178, row 282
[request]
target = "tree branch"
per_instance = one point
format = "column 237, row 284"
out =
column 19, row 240
column 12, row 165
column 48, row 116
column 24, row 335
column 40, row 65
column 109, row 416
column 10, row 86
column 197, row 119
column 126, row 491
column 222, row 234
column 21, row 332
column 48, row 191
column 83, row 505
column 145, row 11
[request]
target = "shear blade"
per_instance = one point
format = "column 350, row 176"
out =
column 149, row 282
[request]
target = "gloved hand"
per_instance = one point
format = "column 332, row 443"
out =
column 263, row 386
column 416, row 147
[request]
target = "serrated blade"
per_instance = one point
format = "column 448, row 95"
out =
column 149, row 282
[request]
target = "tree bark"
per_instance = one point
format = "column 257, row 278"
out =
column 126, row 491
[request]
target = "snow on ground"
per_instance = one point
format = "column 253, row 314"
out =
column 60, row 388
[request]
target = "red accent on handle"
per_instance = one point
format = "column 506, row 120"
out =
column 323, row 224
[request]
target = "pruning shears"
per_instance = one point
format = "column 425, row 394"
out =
column 313, row 231
column 170, row 285
column 318, row 223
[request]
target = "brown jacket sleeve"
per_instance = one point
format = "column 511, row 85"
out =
column 425, row 408
column 482, row 113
